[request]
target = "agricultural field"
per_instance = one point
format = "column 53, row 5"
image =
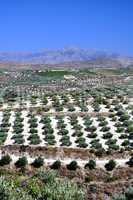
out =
column 68, row 121
column 72, row 120
column 84, row 133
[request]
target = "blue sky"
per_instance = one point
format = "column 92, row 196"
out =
column 32, row 25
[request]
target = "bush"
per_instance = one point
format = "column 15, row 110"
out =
column 71, row 109
column 9, row 190
column 63, row 132
column 21, row 162
column 77, row 133
column 92, row 135
column 5, row 160
column 99, row 152
column 93, row 188
column 38, row 162
column 123, row 136
column 56, row 165
column 96, row 145
column 105, row 128
column 111, row 141
column 88, row 179
column 55, row 189
column 91, row 164
column 91, row 129
column 73, row 165
column 127, row 196
column 113, row 147
column 130, row 162
column 111, row 178
column 4, row 190
column 120, row 129
column 82, row 144
column 107, row 135
column 110, row 165
column 119, row 197
column 103, row 123
column 124, row 117
column 129, row 193
column 80, row 139
column 125, row 143
column 130, row 129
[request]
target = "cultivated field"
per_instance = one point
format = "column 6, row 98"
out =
column 72, row 120
column 79, row 123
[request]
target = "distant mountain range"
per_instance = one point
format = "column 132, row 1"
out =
column 68, row 56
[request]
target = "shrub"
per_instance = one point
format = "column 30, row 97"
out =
column 88, row 179
column 100, row 119
column 124, row 117
column 107, row 135
column 130, row 129
column 63, row 132
column 88, row 122
column 5, row 160
column 129, row 193
column 21, row 162
column 91, row 129
column 120, row 129
column 119, row 197
column 125, row 143
column 130, row 162
column 100, row 152
column 34, row 139
column 93, row 188
column 96, row 145
column 114, row 119
column 62, row 190
column 10, row 191
column 73, row 165
column 77, row 133
column 96, row 108
column 66, row 143
column 110, row 165
column 33, row 130
column 127, row 196
column 111, row 141
column 80, row 139
column 82, row 144
column 51, row 141
column 38, row 162
column 92, row 135
column 77, row 127
column 61, row 126
column 103, row 123
column 130, row 136
column 56, row 165
column 4, row 190
column 19, row 141
column 91, row 164
column 105, row 128
column 123, row 136
column 110, row 178
column 18, row 130
column 49, row 137
column 71, row 109
column 113, row 146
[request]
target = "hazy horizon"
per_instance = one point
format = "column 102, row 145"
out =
column 24, row 52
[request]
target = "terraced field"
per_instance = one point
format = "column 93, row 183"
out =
column 72, row 121
column 80, row 126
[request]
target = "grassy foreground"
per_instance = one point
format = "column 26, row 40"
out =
column 42, row 186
